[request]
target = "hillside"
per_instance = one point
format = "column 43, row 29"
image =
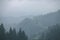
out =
column 39, row 23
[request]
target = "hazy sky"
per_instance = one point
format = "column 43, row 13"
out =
column 17, row 8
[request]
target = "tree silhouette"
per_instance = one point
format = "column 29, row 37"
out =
column 54, row 33
column 11, row 34
column 2, row 32
column 22, row 35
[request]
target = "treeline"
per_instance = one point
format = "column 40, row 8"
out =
column 11, row 34
column 53, row 33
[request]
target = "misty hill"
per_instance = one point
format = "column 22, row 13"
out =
column 11, row 21
column 39, row 23
column 48, row 19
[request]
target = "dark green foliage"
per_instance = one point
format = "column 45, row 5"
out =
column 11, row 34
column 14, row 35
column 54, row 33
column 24, row 36
column 2, row 32
column 21, row 35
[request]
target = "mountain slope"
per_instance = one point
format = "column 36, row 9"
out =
column 49, row 19
column 39, row 23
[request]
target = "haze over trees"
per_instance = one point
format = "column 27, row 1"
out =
column 53, row 32
column 48, row 26
column 2, row 32
column 39, row 24
column 11, row 34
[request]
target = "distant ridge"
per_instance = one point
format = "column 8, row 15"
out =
column 39, row 23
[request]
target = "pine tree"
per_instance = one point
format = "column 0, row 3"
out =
column 14, row 35
column 10, row 34
column 2, row 32
column 22, row 35
column 54, row 33
column 19, row 35
column 7, row 35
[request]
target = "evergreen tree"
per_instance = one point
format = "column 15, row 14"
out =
column 22, row 35
column 10, row 34
column 54, row 33
column 19, row 34
column 7, row 35
column 14, row 35
column 2, row 32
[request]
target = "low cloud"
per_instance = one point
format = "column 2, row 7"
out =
column 29, row 7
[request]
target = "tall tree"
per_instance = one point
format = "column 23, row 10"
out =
column 19, row 34
column 22, row 35
column 7, row 35
column 2, row 32
column 10, row 34
column 54, row 33
column 14, row 34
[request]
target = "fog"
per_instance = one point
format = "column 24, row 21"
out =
column 18, row 8
column 32, row 16
column 13, row 11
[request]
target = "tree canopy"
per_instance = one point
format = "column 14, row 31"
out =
column 11, row 34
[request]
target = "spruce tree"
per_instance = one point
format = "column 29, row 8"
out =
column 10, row 34
column 54, row 33
column 14, row 35
column 2, row 32
column 22, row 35
column 19, row 34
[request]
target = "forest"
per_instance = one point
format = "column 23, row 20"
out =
column 29, row 19
column 48, row 26
column 53, row 33
column 12, row 34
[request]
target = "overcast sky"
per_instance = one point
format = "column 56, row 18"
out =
column 17, row 8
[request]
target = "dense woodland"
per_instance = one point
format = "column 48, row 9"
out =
column 53, row 33
column 11, row 34
column 33, row 26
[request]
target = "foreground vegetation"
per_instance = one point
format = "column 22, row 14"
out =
column 53, row 33
column 11, row 34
